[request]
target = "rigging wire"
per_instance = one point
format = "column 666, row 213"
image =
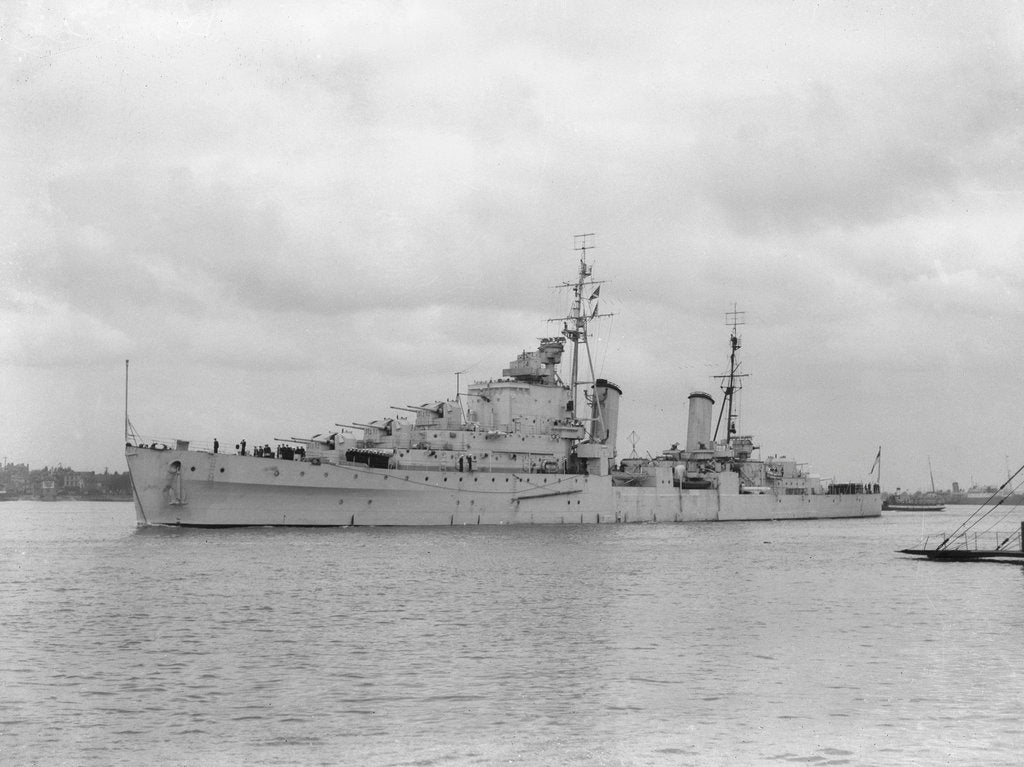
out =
column 967, row 524
column 1008, row 511
column 607, row 344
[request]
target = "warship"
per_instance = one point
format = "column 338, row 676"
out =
column 528, row 447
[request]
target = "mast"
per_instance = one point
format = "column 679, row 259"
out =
column 574, row 326
column 578, row 333
column 458, row 393
column 731, row 381
column 130, row 435
column 126, row 400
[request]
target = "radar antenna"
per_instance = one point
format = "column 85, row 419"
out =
column 583, row 242
column 633, row 437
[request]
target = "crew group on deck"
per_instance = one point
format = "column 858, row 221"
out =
column 284, row 452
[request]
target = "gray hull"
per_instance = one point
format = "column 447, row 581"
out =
column 194, row 488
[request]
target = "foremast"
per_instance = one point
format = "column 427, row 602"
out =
column 584, row 309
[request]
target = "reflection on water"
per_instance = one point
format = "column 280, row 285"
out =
column 752, row 643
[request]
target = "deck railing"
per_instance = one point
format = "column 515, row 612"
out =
column 990, row 540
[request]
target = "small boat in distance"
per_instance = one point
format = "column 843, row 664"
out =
column 917, row 502
column 906, row 502
column 968, row 543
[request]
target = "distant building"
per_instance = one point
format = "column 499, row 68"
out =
column 47, row 490
column 18, row 481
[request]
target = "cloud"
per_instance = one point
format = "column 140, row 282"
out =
column 39, row 331
column 274, row 205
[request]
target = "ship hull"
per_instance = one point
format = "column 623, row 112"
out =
column 193, row 488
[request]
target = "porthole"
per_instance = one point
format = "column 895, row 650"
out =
column 325, row 473
column 193, row 468
column 221, row 469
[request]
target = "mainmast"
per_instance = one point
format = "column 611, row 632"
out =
column 731, row 382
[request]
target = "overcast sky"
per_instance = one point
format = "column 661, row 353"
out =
column 291, row 215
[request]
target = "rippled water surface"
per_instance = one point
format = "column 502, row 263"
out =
column 701, row 644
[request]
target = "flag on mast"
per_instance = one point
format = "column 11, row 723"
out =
column 877, row 459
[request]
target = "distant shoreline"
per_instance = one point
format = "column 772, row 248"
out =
column 76, row 499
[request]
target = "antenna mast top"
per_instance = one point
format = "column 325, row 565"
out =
column 735, row 318
column 583, row 242
column 731, row 382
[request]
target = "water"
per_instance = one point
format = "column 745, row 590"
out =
column 702, row 644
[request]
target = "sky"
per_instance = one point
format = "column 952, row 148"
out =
column 291, row 215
